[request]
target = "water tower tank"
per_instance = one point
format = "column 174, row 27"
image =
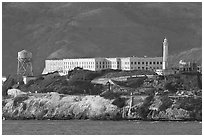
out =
column 24, row 54
column 24, row 64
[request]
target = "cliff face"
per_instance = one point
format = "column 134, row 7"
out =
column 55, row 106
column 60, row 106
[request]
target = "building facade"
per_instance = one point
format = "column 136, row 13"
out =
column 123, row 63
column 53, row 65
column 188, row 66
column 95, row 64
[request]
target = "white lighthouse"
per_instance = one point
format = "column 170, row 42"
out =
column 165, row 54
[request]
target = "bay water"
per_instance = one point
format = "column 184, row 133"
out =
column 97, row 127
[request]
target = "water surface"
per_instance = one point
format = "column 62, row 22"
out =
column 87, row 127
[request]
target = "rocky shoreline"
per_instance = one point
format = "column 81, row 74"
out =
column 54, row 106
column 81, row 95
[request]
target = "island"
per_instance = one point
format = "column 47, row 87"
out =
column 104, row 95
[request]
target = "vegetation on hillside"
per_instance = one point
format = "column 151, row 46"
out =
column 158, row 96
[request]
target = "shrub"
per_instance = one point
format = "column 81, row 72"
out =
column 150, row 91
column 191, row 81
column 65, row 90
column 144, row 108
column 119, row 102
column 20, row 98
column 191, row 104
column 170, row 86
column 166, row 103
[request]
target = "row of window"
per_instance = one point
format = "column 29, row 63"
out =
column 143, row 68
column 154, row 62
column 103, row 66
column 71, row 63
column 107, row 63
column 97, row 63
column 84, row 66
column 102, row 63
column 90, row 66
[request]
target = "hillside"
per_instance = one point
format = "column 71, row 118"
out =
column 60, row 30
column 192, row 55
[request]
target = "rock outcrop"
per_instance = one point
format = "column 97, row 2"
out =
column 15, row 92
column 61, row 106
column 58, row 106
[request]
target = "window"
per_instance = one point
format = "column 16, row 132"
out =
column 153, row 62
column 131, row 63
column 135, row 63
column 146, row 68
column 146, row 63
column 138, row 63
column 142, row 62
column 161, row 62
column 157, row 62
column 150, row 63
column 138, row 67
column 142, row 67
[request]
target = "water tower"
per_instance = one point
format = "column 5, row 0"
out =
column 24, row 64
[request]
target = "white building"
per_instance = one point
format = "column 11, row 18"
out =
column 100, row 63
column 94, row 64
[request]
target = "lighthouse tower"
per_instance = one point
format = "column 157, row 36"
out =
column 165, row 54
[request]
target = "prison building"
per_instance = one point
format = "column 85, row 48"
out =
column 100, row 63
